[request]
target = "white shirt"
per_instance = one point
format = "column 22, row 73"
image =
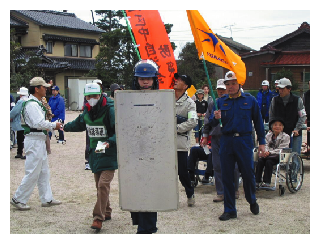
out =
column 35, row 117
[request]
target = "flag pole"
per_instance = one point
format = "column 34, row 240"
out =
column 132, row 37
column 209, row 82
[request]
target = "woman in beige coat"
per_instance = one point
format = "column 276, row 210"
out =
column 276, row 140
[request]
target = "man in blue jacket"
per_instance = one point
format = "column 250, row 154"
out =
column 264, row 97
column 56, row 103
column 237, row 111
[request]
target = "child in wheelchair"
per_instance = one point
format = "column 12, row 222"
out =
column 276, row 140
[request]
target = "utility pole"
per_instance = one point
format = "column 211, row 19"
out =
column 229, row 27
column 92, row 17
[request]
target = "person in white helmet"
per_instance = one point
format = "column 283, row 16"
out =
column 276, row 90
column 237, row 111
column 264, row 97
column 215, row 133
column 15, row 121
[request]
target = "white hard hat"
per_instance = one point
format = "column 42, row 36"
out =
column 23, row 91
column 220, row 84
column 284, row 82
column 276, row 82
column 97, row 81
column 265, row 82
column 230, row 76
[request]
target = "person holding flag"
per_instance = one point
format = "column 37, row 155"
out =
column 237, row 110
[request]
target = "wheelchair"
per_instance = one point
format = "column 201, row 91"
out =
column 288, row 171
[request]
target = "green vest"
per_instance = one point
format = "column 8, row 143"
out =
column 96, row 130
column 25, row 126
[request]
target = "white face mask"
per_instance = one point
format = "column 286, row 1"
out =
column 93, row 102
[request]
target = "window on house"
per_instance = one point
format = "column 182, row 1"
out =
column 85, row 51
column 49, row 47
column 71, row 50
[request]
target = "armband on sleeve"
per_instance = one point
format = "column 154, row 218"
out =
column 302, row 113
column 192, row 115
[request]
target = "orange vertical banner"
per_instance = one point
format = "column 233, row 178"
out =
column 153, row 43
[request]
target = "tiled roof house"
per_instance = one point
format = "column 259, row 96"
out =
column 291, row 51
column 66, row 44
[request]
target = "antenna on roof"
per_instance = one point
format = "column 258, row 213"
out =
column 230, row 27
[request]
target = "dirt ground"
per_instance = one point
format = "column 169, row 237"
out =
column 75, row 187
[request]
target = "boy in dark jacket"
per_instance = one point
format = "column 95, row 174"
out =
column 98, row 119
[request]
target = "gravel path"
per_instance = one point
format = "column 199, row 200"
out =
column 74, row 186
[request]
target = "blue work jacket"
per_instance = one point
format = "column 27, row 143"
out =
column 57, row 107
column 237, row 115
column 264, row 97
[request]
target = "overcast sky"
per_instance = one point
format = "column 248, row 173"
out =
column 253, row 28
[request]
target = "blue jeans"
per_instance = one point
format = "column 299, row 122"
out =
column 198, row 133
column 295, row 144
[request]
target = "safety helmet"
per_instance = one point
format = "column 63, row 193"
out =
column 276, row 82
column 97, row 81
column 230, row 76
column 265, row 82
column 220, row 84
column 147, row 69
column 284, row 82
column 92, row 88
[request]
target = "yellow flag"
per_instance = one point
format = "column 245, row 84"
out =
column 212, row 49
column 191, row 91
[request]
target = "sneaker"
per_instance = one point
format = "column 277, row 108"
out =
column 87, row 166
column 254, row 208
column 19, row 205
column 191, row 201
column 205, row 180
column 258, row 185
column 97, row 224
column 53, row 202
column 226, row 216
column 219, row 198
column 18, row 156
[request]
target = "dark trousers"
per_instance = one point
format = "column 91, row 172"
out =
column 197, row 153
column 86, row 153
column 308, row 134
column 183, row 173
column 61, row 134
column 266, row 164
column 20, row 139
column 237, row 150
column 146, row 221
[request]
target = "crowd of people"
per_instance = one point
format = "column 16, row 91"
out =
column 223, row 132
